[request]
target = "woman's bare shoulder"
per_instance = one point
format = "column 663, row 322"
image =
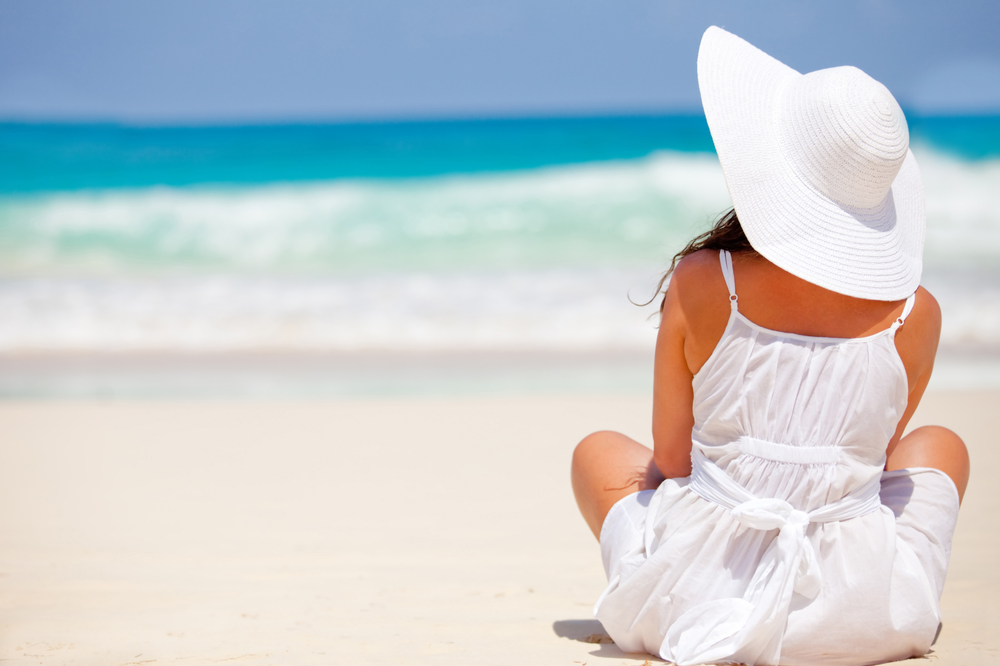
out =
column 696, row 273
column 700, row 288
column 696, row 307
column 917, row 340
column 923, row 322
column 926, row 307
column 922, row 327
column 698, row 262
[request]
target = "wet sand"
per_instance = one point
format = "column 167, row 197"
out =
column 410, row 531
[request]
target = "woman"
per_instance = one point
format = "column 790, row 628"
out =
column 782, row 516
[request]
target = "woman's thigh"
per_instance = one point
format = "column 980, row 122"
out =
column 608, row 466
column 936, row 447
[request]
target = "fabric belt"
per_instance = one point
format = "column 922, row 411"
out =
column 750, row 629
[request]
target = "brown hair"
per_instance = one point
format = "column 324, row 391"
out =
column 725, row 234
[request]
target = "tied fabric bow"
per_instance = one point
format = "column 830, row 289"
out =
column 792, row 544
column 750, row 629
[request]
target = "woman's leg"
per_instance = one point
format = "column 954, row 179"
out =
column 937, row 447
column 607, row 466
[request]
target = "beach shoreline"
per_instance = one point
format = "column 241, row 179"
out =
column 380, row 374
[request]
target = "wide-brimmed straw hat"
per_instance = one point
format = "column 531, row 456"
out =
column 818, row 168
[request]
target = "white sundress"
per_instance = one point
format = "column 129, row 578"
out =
column 788, row 543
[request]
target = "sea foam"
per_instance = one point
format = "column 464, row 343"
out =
column 593, row 214
column 531, row 260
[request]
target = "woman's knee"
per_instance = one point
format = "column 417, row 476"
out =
column 937, row 447
column 938, row 440
column 593, row 448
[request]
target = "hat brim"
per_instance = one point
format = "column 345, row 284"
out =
column 873, row 253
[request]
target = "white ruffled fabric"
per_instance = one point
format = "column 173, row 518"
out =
column 778, row 548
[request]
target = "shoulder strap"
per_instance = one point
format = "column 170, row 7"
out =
column 726, row 260
column 906, row 311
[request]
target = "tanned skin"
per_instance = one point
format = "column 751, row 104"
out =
column 608, row 466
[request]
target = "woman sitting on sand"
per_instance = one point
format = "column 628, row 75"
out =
column 782, row 516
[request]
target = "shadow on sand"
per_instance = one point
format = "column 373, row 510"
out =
column 591, row 631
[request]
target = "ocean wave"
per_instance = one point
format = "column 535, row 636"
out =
column 963, row 219
column 568, row 310
column 598, row 214
column 539, row 259
column 560, row 310
column 603, row 214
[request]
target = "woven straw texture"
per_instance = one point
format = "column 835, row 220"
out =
column 818, row 167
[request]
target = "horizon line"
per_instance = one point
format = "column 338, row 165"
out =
column 413, row 119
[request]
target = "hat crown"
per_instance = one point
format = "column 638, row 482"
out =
column 844, row 133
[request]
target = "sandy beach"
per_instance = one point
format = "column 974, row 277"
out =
column 305, row 306
column 409, row 531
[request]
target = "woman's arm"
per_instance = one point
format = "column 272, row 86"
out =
column 695, row 298
column 917, row 343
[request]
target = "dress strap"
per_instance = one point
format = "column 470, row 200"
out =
column 906, row 312
column 726, row 259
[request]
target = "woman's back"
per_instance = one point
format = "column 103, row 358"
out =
column 773, row 301
column 777, row 300
column 798, row 417
column 789, row 434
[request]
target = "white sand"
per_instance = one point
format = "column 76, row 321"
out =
column 350, row 532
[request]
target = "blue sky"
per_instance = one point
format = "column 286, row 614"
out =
column 183, row 61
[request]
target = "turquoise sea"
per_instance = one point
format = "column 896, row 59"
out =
column 513, row 235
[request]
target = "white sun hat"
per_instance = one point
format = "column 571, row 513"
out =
column 818, row 167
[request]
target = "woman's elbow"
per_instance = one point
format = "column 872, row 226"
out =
column 673, row 464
